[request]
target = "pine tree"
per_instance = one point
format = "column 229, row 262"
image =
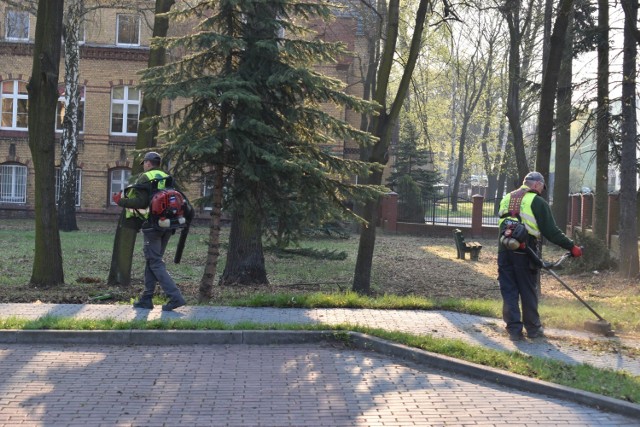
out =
column 254, row 108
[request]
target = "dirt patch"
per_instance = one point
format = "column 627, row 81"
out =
column 432, row 269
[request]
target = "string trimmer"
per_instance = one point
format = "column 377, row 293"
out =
column 599, row 326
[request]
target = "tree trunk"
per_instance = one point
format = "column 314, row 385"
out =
column 546, row 37
column 511, row 13
column 601, row 203
column 124, row 243
column 461, row 160
column 213, row 248
column 245, row 258
column 366, row 247
column 549, row 86
column 69, row 151
column 563, row 135
column 125, row 238
column 490, row 163
column 43, row 98
column 628, row 168
column 382, row 125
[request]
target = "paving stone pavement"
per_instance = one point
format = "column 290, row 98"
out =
column 239, row 385
column 316, row 384
column 566, row 346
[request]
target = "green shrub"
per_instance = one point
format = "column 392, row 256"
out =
column 595, row 255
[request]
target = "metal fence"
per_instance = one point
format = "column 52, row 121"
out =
column 439, row 211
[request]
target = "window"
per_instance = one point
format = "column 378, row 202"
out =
column 78, row 185
column 14, row 105
column 119, row 181
column 17, row 25
column 81, row 34
column 128, row 30
column 13, row 184
column 207, row 193
column 61, row 109
column 125, row 108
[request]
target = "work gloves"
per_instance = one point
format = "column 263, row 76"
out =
column 116, row 197
column 576, row 251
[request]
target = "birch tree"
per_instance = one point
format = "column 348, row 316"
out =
column 72, row 25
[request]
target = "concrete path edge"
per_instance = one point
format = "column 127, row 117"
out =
column 354, row 339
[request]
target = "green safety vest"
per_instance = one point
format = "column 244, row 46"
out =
column 526, row 214
column 144, row 212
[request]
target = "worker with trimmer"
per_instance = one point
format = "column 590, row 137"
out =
column 525, row 217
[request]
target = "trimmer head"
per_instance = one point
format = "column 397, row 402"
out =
column 599, row 327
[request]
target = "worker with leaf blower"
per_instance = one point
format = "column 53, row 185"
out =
column 137, row 201
column 525, row 217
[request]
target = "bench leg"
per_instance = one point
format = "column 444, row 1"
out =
column 475, row 253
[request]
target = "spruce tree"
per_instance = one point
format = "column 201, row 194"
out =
column 413, row 160
column 254, row 107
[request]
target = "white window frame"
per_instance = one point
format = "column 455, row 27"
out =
column 118, row 183
column 137, row 29
column 13, row 18
column 60, row 109
column 126, row 104
column 13, row 183
column 14, row 97
column 78, row 185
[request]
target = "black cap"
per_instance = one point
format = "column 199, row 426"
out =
column 535, row 176
column 153, row 156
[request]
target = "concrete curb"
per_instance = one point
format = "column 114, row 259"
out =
column 494, row 375
column 354, row 339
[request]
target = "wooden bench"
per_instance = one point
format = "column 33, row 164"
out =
column 463, row 247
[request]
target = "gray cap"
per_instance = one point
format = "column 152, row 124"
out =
column 153, row 156
column 535, row 176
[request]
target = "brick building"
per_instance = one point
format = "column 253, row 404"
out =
column 115, row 47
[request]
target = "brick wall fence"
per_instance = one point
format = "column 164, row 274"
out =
column 580, row 217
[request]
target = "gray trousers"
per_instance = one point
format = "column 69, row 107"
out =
column 155, row 271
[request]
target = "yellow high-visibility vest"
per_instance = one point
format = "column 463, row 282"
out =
column 143, row 213
column 526, row 214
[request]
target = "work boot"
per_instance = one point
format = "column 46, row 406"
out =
column 516, row 336
column 145, row 303
column 538, row 333
column 173, row 304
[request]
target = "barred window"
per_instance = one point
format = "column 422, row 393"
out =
column 13, row 183
column 17, row 25
column 78, row 185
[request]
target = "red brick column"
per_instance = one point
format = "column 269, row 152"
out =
column 575, row 211
column 587, row 210
column 389, row 212
column 476, row 216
